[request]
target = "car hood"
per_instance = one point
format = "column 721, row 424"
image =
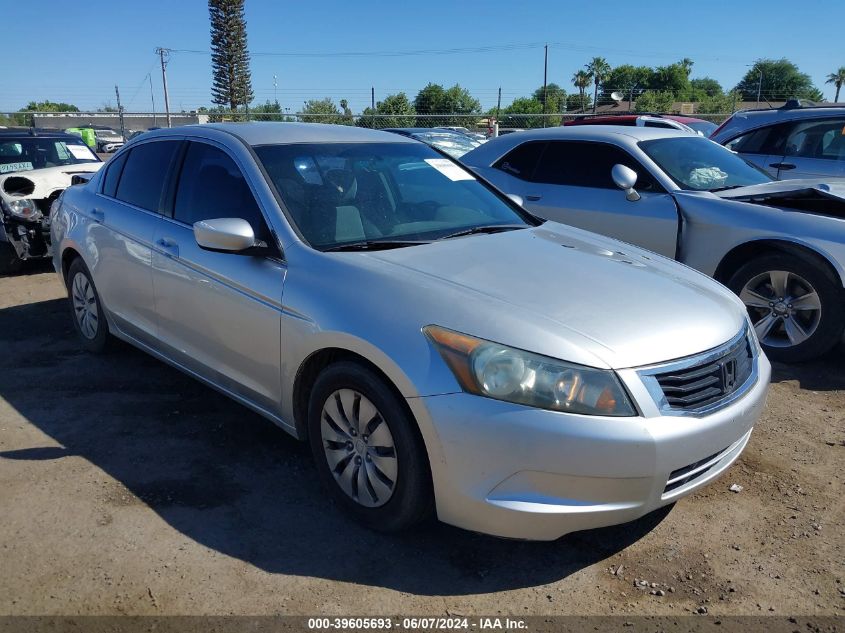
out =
column 40, row 183
column 833, row 188
column 563, row 292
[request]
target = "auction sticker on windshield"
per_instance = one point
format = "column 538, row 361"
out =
column 449, row 169
column 81, row 152
column 9, row 167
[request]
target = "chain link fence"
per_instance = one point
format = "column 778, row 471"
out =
column 141, row 121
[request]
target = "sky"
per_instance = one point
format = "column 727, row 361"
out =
column 77, row 55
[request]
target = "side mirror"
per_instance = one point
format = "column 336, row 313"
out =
column 625, row 178
column 516, row 199
column 228, row 235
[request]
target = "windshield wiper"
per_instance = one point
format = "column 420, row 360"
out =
column 725, row 188
column 487, row 228
column 374, row 245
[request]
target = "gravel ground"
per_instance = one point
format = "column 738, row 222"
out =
column 128, row 488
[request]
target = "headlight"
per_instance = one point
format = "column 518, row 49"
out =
column 24, row 209
column 504, row 373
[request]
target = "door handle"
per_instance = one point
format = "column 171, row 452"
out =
column 98, row 216
column 782, row 165
column 533, row 198
column 169, row 246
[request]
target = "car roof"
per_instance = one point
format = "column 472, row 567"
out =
column 274, row 133
column 493, row 149
column 744, row 121
column 28, row 132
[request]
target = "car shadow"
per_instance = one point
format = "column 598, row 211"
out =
column 234, row 482
column 823, row 374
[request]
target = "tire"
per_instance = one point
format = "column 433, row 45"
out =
column 10, row 263
column 86, row 311
column 773, row 287
column 400, row 496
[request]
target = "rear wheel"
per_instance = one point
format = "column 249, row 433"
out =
column 796, row 308
column 367, row 449
column 86, row 310
column 10, row 263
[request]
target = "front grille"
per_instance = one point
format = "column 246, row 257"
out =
column 696, row 470
column 699, row 386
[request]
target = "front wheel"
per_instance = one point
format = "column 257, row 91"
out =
column 367, row 448
column 796, row 309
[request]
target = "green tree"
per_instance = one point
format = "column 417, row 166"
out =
column 577, row 102
column 268, row 111
column 781, row 80
column 598, row 69
column 49, row 106
column 582, row 81
column 627, row 79
column 837, row 79
column 672, row 78
column 455, row 106
column 659, row 101
column 394, row 111
column 555, row 98
column 322, row 111
column 231, row 78
column 718, row 103
column 705, row 87
column 514, row 115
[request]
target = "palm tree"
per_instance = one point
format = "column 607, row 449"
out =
column 598, row 69
column 686, row 63
column 837, row 79
column 582, row 80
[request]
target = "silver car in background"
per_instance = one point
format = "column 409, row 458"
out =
column 439, row 347
column 780, row 246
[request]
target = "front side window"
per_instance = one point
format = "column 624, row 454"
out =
column 583, row 164
column 522, row 159
column 765, row 140
column 818, row 139
column 212, row 186
column 696, row 164
column 344, row 193
column 144, row 174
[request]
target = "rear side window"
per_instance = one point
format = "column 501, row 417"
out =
column 522, row 160
column 113, row 171
column 581, row 164
column 144, row 174
column 212, row 186
column 817, row 139
column 766, row 140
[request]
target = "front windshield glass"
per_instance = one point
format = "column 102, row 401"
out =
column 344, row 193
column 32, row 152
column 696, row 164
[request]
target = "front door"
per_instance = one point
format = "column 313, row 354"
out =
column 219, row 313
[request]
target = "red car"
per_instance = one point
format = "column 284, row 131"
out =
column 688, row 123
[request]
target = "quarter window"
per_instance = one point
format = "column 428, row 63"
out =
column 583, row 164
column 211, row 186
column 146, row 169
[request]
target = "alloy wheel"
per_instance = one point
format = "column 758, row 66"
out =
column 85, row 306
column 359, row 448
column 784, row 307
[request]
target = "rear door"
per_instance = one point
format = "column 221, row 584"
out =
column 572, row 184
column 763, row 147
column 814, row 149
column 127, row 211
column 219, row 313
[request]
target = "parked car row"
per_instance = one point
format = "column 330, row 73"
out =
column 441, row 348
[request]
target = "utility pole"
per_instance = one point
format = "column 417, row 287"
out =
column 162, row 52
column 373, row 98
column 495, row 126
column 545, row 80
column 120, row 112
column 275, row 91
column 152, row 98
column 759, row 87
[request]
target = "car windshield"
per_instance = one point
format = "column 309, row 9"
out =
column 696, row 164
column 454, row 144
column 706, row 128
column 31, row 152
column 353, row 193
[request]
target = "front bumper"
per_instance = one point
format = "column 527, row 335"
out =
column 518, row 472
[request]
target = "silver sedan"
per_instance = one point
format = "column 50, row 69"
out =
column 438, row 347
column 779, row 245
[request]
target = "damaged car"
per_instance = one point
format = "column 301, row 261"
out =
column 35, row 167
column 779, row 245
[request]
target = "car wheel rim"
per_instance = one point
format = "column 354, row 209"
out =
column 359, row 448
column 85, row 306
column 784, row 308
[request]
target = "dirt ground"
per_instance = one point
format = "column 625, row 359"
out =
column 128, row 488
